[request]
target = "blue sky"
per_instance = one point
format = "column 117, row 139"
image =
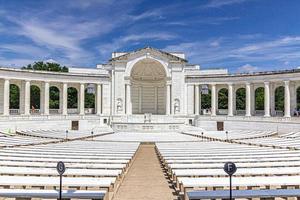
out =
column 241, row 35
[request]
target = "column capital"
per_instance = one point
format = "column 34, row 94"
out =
column 286, row 82
column 230, row 84
column 267, row 83
column 248, row 83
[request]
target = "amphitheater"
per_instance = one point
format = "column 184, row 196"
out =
column 150, row 135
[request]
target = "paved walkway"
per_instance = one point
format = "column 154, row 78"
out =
column 145, row 179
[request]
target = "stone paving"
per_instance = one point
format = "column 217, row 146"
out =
column 145, row 178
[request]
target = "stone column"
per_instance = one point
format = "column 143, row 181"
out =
column 168, row 99
column 81, row 99
column 140, row 99
column 287, row 99
column 230, row 99
column 65, row 99
column 267, row 99
column 213, row 100
column 99, row 99
column 248, row 99
column 155, row 99
column 128, row 100
column 196, row 99
column 27, row 98
column 46, row 98
column 6, row 97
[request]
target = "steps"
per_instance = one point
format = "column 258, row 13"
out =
column 145, row 179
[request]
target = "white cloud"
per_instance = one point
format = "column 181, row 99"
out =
column 107, row 48
column 215, row 43
column 247, row 68
column 15, row 62
column 221, row 3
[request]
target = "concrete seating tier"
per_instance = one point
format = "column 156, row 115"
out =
column 90, row 166
column 61, row 134
column 232, row 134
column 9, row 140
column 277, row 142
column 147, row 137
column 194, row 166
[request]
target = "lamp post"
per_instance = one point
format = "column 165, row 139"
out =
column 67, row 134
column 226, row 135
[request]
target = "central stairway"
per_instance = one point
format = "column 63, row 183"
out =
column 145, row 179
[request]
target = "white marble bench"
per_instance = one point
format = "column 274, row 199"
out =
column 239, row 172
column 10, row 181
column 246, row 194
column 70, row 165
column 52, row 194
column 53, row 171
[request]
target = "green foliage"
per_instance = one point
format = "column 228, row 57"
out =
column 241, row 99
column 41, row 66
column 35, row 95
column 259, row 99
column 54, row 97
column 72, row 97
column 223, row 99
column 14, row 97
column 279, row 98
column 206, row 100
column 89, row 100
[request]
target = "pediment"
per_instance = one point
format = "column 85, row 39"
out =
column 148, row 51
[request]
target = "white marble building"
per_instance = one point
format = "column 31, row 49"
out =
column 146, row 81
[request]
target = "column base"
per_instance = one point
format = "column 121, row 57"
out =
column 267, row 115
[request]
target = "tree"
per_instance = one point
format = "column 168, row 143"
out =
column 241, row 99
column 206, row 100
column 223, row 99
column 259, row 99
column 41, row 66
column 14, row 97
column 279, row 98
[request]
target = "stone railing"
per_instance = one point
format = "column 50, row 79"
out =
column 14, row 111
column 54, row 111
column 222, row 112
column 35, row 111
column 72, row 111
column 89, row 111
column 240, row 112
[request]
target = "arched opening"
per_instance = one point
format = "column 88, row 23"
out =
column 240, row 101
column 35, row 99
column 279, row 101
column 148, row 88
column 223, row 101
column 89, row 99
column 72, row 100
column 54, row 100
column 206, row 102
column 14, row 99
column 298, row 98
column 259, row 101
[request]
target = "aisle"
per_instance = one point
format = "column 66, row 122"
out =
column 145, row 179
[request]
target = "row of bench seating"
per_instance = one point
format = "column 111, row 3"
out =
column 199, row 166
column 94, row 169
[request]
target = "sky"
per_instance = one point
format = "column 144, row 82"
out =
column 240, row 35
